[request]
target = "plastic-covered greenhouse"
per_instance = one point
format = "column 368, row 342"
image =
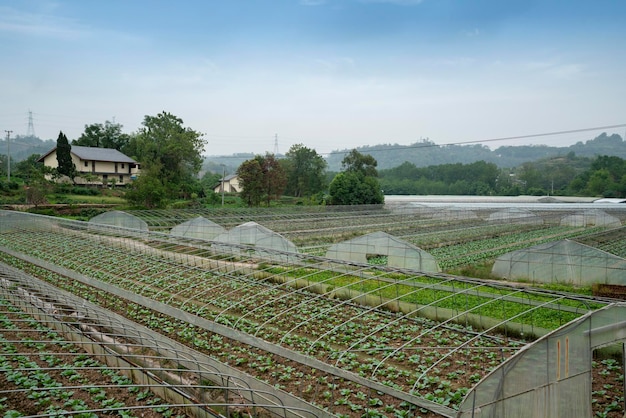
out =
column 399, row 253
column 120, row 219
column 198, row 228
column 187, row 329
column 592, row 217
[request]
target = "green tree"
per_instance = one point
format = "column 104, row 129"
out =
column 30, row 168
column 148, row 190
column 350, row 188
column 261, row 179
column 357, row 184
column 251, row 181
column 305, row 170
column 169, row 152
column 65, row 166
column 107, row 135
column 363, row 164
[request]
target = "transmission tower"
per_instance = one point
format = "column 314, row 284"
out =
column 31, row 126
column 275, row 144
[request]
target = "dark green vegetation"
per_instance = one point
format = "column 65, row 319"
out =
column 357, row 184
column 170, row 158
column 426, row 153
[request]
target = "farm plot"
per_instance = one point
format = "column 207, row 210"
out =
column 612, row 241
column 369, row 339
column 42, row 373
column 455, row 241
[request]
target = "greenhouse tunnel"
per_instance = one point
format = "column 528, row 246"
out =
column 120, row 219
column 552, row 377
column 251, row 234
column 400, row 254
column 563, row 261
column 198, row 228
column 379, row 331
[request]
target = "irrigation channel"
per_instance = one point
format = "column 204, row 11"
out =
column 225, row 332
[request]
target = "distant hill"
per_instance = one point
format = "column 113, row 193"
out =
column 422, row 154
column 427, row 153
column 23, row 146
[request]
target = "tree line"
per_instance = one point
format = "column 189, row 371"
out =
column 170, row 157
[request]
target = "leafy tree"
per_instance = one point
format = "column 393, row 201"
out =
column 107, row 135
column 148, row 190
column 261, row 179
column 169, row 152
column 357, row 184
column 251, row 181
column 65, row 166
column 356, row 162
column 350, row 188
column 305, row 171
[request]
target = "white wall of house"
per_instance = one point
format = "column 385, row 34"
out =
column 98, row 171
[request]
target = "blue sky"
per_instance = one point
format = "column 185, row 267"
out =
column 330, row 74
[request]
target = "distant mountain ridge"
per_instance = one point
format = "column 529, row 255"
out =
column 427, row 153
column 422, row 154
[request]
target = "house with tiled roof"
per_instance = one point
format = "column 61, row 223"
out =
column 97, row 165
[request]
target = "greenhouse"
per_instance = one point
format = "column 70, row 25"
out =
column 562, row 261
column 118, row 218
column 398, row 253
column 516, row 215
column 197, row 228
column 592, row 217
column 186, row 329
column 251, row 234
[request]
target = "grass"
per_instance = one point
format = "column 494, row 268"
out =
column 77, row 199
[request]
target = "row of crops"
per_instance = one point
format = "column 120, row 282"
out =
column 454, row 237
column 44, row 373
column 349, row 339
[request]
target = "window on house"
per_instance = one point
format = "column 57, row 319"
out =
column 122, row 165
column 122, row 178
column 86, row 163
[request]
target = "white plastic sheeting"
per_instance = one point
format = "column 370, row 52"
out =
column 516, row 215
column 198, row 228
column 552, row 377
column 590, row 218
column 257, row 236
column 120, row 219
column 562, row 261
column 400, row 254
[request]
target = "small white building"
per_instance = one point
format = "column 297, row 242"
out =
column 229, row 183
column 97, row 165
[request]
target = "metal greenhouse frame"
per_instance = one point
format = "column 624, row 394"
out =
column 293, row 334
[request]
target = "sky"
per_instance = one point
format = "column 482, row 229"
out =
column 257, row 76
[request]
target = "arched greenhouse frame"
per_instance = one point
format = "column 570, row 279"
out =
column 293, row 334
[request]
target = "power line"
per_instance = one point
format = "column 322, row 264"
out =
column 432, row 144
column 478, row 141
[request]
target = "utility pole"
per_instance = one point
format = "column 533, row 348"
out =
column 223, row 178
column 8, row 155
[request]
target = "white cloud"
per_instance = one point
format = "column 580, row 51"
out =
column 554, row 69
column 39, row 24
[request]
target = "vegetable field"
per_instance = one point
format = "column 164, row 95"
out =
column 326, row 338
